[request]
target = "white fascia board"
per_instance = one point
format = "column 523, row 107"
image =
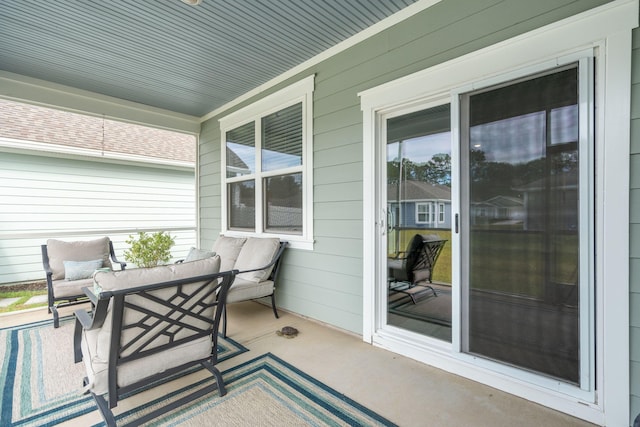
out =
column 15, row 87
column 55, row 150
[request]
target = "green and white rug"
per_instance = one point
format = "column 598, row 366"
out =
column 41, row 387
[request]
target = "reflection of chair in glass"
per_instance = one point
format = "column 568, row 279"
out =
column 414, row 268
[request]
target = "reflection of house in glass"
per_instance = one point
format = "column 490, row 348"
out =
column 551, row 203
column 235, row 165
column 498, row 210
column 283, row 209
column 419, row 204
column 240, row 195
column 283, row 196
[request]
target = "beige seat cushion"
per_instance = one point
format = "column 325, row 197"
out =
column 228, row 248
column 60, row 251
column 243, row 290
column 70, row 288
column 95, row 343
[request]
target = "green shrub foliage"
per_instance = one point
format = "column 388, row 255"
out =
column 149, row 250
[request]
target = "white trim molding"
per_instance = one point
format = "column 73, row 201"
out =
column 296, row 93
column 57, row 150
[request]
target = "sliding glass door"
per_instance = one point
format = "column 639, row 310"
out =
column 521, row 207
column 489, row 213
column 418, row 205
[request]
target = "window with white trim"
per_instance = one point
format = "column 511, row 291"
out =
column 424, row 213
column 266, row 152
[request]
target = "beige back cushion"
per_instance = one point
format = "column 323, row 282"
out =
column 228, row 248
column 124, row 279
column 60, row 251
column 257, row 252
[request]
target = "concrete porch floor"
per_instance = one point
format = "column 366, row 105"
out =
column 404, row 391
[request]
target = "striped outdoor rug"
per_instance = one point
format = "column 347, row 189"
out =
column 40, row 383
column 41, row 386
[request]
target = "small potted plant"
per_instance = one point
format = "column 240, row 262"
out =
column 149, row 250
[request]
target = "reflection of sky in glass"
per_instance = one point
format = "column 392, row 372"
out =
column 271, row 160
column 513, row 140
column 246, row 154
column 564, row 124
column 420, row 149
column 523, row 138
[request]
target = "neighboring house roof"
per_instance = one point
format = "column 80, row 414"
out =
column 501, row 202
column 565, row 181
column 418, row 190
column 45, row 125
column 234, row 162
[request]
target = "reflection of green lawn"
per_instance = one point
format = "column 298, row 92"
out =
column 514, row 262
column 442, row 272
column 508, row 261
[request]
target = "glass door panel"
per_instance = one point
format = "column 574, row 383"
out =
column 521, row 241
column 418, row 149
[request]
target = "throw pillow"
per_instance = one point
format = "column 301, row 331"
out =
column 78, row 270
column 196, row 254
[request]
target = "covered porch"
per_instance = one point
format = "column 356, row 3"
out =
column 403, row 391
column 333, row 78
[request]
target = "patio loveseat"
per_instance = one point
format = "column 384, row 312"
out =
column 257, row 260
column 148, row 324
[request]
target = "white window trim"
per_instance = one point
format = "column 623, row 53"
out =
column 301, row 91
column 607, row 31
column 442, row 211
column 429, row 206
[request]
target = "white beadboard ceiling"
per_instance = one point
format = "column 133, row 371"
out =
column 169, row 55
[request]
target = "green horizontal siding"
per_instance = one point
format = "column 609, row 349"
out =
column 341, row 155
column 634, row 215
column 338, row 210
column 442, row 32
column 339, row 173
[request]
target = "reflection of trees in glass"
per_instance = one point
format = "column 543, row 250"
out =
column 285, row 190
column 500, row 178
column 435, row 171
column 247, row 194
column 242, row 204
